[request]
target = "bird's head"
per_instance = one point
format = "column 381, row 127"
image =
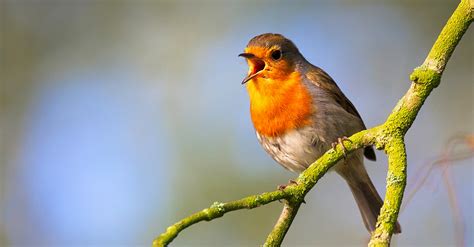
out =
column 271, row 57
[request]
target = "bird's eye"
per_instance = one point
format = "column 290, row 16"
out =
column 276, row 54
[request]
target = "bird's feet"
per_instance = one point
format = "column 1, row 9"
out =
column 283, row 186
column 291, row 182
column 341, row 140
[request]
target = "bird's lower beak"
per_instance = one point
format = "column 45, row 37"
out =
column 248, row 78
column 256, row 65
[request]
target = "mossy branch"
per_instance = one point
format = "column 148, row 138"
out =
column 388, row 136
column 424, row 79
column 290, row 209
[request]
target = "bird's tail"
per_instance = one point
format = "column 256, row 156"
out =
column 364, row 192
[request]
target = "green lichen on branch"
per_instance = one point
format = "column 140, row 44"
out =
column 287, row 216
column 218, row 209
column 388, row 136
column 425, row 78
column 396, row 182
column 450, row 36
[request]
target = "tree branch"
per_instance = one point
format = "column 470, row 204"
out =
column 290, row 209
column 425, row 78
column 388, row 136
column 396, row 182
column 216, row 210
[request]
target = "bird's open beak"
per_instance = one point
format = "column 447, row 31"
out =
column 256, row 65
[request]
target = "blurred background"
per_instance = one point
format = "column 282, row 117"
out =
column 119, row 118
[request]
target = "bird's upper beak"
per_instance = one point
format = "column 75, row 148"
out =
column 256, row 65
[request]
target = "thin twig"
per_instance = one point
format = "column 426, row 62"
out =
column 281, row 227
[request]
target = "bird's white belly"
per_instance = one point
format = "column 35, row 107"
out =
column 296, row 149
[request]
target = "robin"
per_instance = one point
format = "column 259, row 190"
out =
column 299, row 112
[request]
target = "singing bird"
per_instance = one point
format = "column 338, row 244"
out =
column 298, row 112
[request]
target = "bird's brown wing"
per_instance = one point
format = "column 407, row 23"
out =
column 322, row 80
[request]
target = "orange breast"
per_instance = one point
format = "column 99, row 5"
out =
column 280, row 105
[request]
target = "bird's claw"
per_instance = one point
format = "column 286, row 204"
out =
column 341, row 140
column 290, row 182
column 283, row 186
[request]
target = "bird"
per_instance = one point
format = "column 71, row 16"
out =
column 299, row 113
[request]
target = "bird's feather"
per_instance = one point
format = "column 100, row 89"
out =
column 322, row 80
